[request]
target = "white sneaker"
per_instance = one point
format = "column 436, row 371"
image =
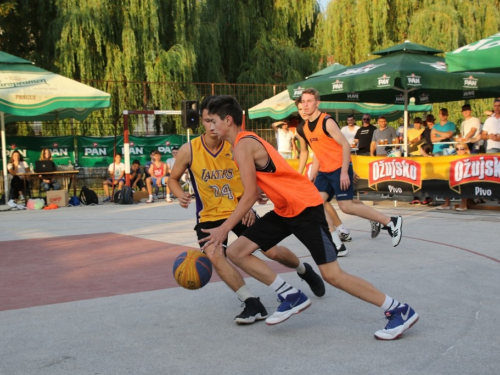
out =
column 168, row 199
column 12, row 203
column 150, row 200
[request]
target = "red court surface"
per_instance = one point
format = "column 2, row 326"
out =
column 45, row 271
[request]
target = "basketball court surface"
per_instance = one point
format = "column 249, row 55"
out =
column 90, row 290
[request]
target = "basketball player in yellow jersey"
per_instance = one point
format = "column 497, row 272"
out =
column 218, row 187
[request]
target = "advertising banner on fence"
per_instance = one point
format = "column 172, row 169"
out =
column 62, row 148
column 98, row 151
column 465, row 176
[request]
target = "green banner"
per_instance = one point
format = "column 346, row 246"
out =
column 98, row 151
column 62, row 148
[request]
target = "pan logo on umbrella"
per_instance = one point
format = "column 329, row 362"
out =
column 353, row 96
column 298, row 92
column 469, row 94
column 360, row 70
column 383, row 81
column 338, row 85
column 424, row 98
column 413, row 80
column 400, row 98
column 470, row 82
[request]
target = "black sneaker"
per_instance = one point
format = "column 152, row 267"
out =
column 375, row 228
column 345, row 237
column 314, row 281
column 254, row 310
column 342, row 251
column 395, row 229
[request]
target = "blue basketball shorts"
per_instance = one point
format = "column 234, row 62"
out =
column 329, row 183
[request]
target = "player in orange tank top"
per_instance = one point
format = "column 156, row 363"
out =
column 209, row 157
column 339, row 182
column 263, row 172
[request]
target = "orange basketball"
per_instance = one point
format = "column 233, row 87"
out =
column 192, row 269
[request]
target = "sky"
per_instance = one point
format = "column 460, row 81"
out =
column 324, row 3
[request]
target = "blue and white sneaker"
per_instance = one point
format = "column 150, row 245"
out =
column 292, row 304
column 399, row 319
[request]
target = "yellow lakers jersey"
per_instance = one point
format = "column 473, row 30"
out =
column 216, row 181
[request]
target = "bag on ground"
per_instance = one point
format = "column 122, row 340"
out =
column 88, row 196
column 124, row 196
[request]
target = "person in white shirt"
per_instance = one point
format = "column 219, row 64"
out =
column 284, row 138
column 350, row 130
column 491, row 130
column 116, row 172
column 470, row 129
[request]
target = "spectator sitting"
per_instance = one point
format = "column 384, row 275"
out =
column 136, row 176
column 170, row 165
column 491, row 130
column 116, row 172
column 442, row 132
column 158, row 171
column 462, row 149
column 18, row 165
column 48, row 182
column 148, row 164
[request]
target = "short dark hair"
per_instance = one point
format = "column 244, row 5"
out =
column 430, row 118
column 466, row 107
column 205, row 101
column 226, row 105
column 417, row 120
column 118, row 154
column 136, row 162
column 298, row 101
column 175, row 148
column 382, row 118
column 350, row 116
column 156, row 152
column 444, row 111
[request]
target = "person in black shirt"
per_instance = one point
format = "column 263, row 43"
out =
column 364, row 135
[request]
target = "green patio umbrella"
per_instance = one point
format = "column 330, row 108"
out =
column 403, row 71
column 281, row 106
column 480, row 56
column 28, row 93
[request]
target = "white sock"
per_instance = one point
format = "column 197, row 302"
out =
column 150, row 196
column 336, row 239
column 281, row 287
column 301, row 269
column 244, row 293
column 343, row 229
column 389, row 303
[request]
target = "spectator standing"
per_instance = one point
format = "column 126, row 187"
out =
column 284, row 139
column 136, row 176
column 491, row 130
column 350, row 130
column 364, row 135
column 442, row 132
column 470, row 129
column 382, row 135
column 117, row 172
column 48, row 182
column 16, row 166
column 158, row 171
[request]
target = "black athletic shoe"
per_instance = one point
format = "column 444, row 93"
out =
column 375, row 228
column 342, row 252
column 314, row 281
column 254, row 310
column 345, row 237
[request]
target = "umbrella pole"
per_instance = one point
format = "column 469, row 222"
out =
column 405, row 129
column 4, row 160
column 126, row 148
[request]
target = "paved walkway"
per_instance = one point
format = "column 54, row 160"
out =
column 90, row 291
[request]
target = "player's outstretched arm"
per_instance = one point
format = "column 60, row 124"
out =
column 182, row 162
